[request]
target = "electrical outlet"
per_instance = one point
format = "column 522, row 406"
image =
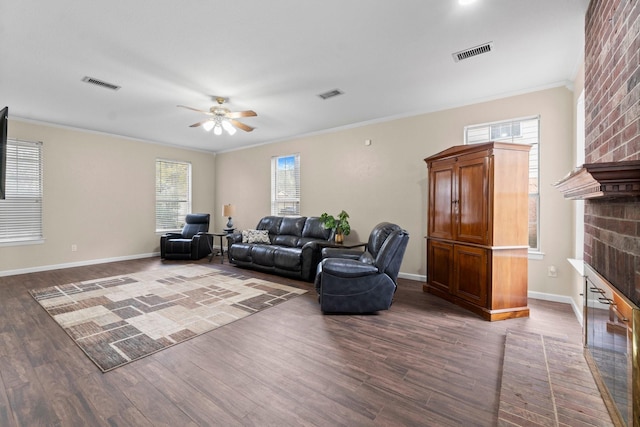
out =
column 552, row 272
column 74, row 248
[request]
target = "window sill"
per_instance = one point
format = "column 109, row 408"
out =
column 535, row 255
column 22, row 242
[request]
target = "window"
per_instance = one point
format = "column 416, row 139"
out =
column 522, row 131
column 173, row 194
column 285, row 185
column 21, row 211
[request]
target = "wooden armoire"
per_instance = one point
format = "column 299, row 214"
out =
column 477, row 243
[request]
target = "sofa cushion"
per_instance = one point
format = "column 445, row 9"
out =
column 292, row 226
column 288, row 258
column 288, row 240
column 241, row 252
column 263, row 254
column 271, row 224
column 255, row 236
column 314, row 229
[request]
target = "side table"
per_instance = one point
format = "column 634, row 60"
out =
column 212, row 249
column 346, row 244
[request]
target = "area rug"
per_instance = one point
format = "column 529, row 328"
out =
column 117, row 320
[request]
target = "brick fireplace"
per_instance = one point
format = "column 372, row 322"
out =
column 609, row 182
column 612, row 112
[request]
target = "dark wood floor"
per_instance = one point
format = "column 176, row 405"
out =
column 424, row 362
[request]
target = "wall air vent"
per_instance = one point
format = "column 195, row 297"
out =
column 100, row 83
column 474, row 51
column 331, row 94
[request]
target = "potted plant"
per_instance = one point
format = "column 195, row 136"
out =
column 339, row 225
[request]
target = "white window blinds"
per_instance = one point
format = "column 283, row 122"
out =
column 173, row 194
column 285, row 185
column 21, row 211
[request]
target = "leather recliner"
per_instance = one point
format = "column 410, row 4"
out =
column 192, row 243
column 350, row 281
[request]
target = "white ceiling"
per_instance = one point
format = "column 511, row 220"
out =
column 390, row 58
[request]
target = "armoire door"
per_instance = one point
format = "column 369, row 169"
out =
column 470, row 274
column 440, row 264
column 441, row 208
column 472, row 201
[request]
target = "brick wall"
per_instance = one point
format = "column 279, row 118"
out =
column 612, row 111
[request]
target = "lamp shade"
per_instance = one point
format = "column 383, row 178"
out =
column 208, row 125
column 228, row 210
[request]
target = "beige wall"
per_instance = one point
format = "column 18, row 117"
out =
column 387, row 180
column 99, row 194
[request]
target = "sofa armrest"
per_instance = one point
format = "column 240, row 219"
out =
column 234, row 238
column 172, row 236
column 341, row 253
column 311, row 256
column 347, row 268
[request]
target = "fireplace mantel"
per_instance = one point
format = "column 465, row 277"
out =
column 604, row 180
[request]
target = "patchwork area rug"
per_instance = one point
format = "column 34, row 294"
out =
column 120, row 319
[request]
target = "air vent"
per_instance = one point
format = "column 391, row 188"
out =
column 331, row 94
column 100, row 83
column 474, row 51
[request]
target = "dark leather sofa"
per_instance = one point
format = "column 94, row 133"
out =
column 294, row 248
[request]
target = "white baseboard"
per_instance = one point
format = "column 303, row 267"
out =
column 75, row 264
column 416, row 277
column 531, row 294
column 559, row 298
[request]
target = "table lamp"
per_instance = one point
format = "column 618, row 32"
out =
column 228, row 211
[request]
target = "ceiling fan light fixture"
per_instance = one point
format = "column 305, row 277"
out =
column 220, row 118
column 208, row 125
column 228, row 127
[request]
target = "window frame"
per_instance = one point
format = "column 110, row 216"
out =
column 184, row 200
column 21, row 211
column 288, row 200
column 534, row 160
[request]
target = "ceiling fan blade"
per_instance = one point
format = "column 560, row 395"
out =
column 195, row 125
column 240, row 125
column 238, row 114
column 195, row 109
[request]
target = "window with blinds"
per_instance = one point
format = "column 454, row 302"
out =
column 521, row 131
column 285, row 185
column 173, row 194
column 21, row 211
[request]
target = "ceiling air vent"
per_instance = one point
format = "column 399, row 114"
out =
column 100, row 83
column 331, row 94
column 474, row 51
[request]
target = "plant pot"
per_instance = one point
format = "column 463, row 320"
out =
column 339, row 237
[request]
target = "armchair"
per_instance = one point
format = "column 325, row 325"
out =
column 350, row 281
column 192, row 243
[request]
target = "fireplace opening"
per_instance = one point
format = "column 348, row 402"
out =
column 611, row 346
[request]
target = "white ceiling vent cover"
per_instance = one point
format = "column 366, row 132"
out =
column 100, row 83
column 474, row 51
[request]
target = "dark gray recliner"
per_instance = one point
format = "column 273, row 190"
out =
column 192, row 243
column 350, row 281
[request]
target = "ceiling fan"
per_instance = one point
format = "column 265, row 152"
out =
column 222, row 118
